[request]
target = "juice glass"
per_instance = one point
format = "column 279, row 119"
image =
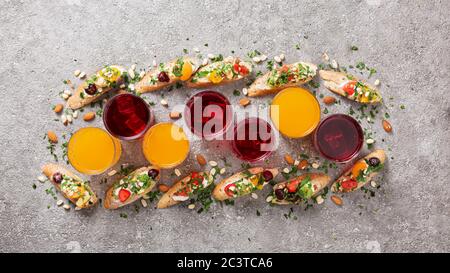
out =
column 208, row 114
column 339, row 138
column 92, row 150
column 127, row 116
column 253, row 139
column 165, row 145
column 295, row 112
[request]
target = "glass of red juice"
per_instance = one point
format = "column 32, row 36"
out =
column 253, row 139
column 127, row 116
column 208, row 114
column 339, row 138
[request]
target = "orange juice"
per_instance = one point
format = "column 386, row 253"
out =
column 92, row 150
column 165, row 145
column 295, row 112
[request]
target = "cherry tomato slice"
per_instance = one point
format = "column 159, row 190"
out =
column 349, row 87
column 228, row 191
column 292, row 186
column 243, row 70
column 349, row 184
column 124, row 195
column 236, row 67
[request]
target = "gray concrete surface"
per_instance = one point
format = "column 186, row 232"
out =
column 43, row 42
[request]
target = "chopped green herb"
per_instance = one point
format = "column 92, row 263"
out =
column 236, row 92
column 354, row 48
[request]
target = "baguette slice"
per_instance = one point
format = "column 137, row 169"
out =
column 350, row 87
column 112, row 200
column 222, row 72
column 180, row 191
column 306, row 186
column 84, row 197
column 272, row 82
column 151, row 83
column 105, row 80
column 251, row 179
column 360, row 173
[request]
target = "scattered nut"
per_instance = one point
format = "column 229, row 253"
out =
column 65, row 96
column 131, row 73
column 277, row 59
column 77, row 73
column 256, row 59
column 144, row 203
column 196, row 50
column 325, row 57
column 59, row 203
column 58, row 108
column 89, row 116
column 244, row 102
column 334, row 64
column 177, row 172
column 329, row 100
column 377, row 82
column 75, row 114
column 175, row 115
column 286, row 170
column 288, row 158
column 69, row 118
column 42, row 178
column 282, row 57
column 64, row 119
column 245, row 91
column 113, row 172
column 223, row 170
column 163, row 187
column 269, row 198
column 213, row 171
column 154, row 63
column 52, row 137
column 263, row 57
column 315, row 165
column 211, row 56
column 131, row 86
column 212, row 163
column 68, row 92
column 191, row 206
column 201, row 159
column 164, row 103
column 373, row 184
column 337, row 200
column 387, row 126
column 66, row 207
column 370, row 141
column 82, row 75
column 254, row 195
column 303, row 164
column 319, row 199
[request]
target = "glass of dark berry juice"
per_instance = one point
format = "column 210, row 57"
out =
column 254, row 139
column 208, row 114
column 339, row 138
column 127, row 116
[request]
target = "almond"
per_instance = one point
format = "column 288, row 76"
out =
column 163, row 188
column 52, row 137
column 337, row 200
column 387, row 126
column 201, row 160
column 289, row 159
column 303, row 164
column 58, row 108
column 89, row 116
column 329, row 100
column 175, row 115
column 244, row 102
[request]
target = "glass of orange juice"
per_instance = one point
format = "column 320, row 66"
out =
column 165, row 145
column 92, row 150
column 295, row 112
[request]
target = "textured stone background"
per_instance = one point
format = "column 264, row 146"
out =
column 43, row 42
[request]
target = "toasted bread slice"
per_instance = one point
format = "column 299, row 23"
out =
column 299, row 189
column 350, row 87
column 105, row 80
column 283, row 77
column 181, row 190
column 83, row 196
column 242, row 183
column 138, row 180
column 222, row 72
column 361, row 173
column 176, row 70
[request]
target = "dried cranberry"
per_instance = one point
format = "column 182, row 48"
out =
column 279, row 193
column 374, row 161
column 267, row 175
column 163, row 77
column 57, row 177
column 91, row 89
column 153, row 173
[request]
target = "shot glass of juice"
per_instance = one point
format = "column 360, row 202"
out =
column 208, row 114
column 253, row 139
column 92, row 150
column 127, row 117
column 165, row 145
column 339, row 138
column 295, row 112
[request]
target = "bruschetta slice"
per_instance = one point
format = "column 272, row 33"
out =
column 243, row 183
column 105, row 80
column 180, row 69
column 360, row 173
column 299, row 189
column 350, row 87
column 280, row 78
column 185, row 188
column 229, row 70
column 131, row 188
column 70, row 185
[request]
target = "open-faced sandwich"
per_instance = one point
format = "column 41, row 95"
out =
column 167, row 74
column 105, row 80
column 243, row 183
column 185, row 188
column 70, row 185
column 360, row 173
column 299, row 189
column 288, row 75
column 229, row 70
column 132, row 187
column 350, row 87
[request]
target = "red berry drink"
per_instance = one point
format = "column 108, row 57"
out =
column 127, row 116
column 339, row 138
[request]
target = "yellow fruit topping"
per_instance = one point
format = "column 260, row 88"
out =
column 79, row 193
column 359, row 167
column 186, row 71
column 110, row 73
column 214, row 77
